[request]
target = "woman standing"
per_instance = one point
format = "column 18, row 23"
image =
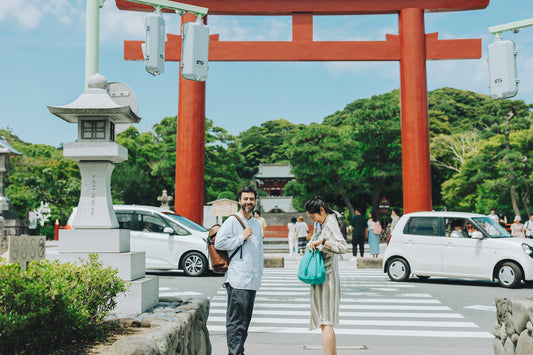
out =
column 374, row 230
column 517, row 228
column 293, row 237
column 395, row 218
column 301, row 232
column 325, row 298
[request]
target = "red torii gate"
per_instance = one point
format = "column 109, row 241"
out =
column 412, row 47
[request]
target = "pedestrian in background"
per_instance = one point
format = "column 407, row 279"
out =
column 325, row 298
column 374, row 231
column 2, row 223
column 502, row 219
column 493, row 215
column 517, row 228
column 301, row 231
column 394, row 219
column 293, row 236
column 257, row 215
column 243, row 277
column 359, row 229
column 529, row 227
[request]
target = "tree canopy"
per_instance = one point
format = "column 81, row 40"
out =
column 481, row 156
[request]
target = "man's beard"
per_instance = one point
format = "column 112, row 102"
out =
column 248, row 207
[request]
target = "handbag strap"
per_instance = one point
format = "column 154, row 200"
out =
column 315, row 237
column 243, row 227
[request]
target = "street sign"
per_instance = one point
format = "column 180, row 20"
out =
column 24, row 249
column 384, row 205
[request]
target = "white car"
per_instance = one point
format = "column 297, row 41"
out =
column 457, row 245
column 170, row 241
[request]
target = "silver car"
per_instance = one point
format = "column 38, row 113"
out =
column 169, row 240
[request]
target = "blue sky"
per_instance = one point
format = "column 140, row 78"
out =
column 43, row 63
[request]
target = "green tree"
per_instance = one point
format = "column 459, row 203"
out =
column 504, row 118
column 375, row 125
column 221, row 161
column 41, row 173
column 133, row 181
column 326, row 162
column 268, row 143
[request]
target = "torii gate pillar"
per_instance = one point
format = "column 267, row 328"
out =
column 190, row 146
column 416, row 168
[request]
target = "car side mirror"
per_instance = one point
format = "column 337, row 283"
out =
column 477, row 235
column 168, row 230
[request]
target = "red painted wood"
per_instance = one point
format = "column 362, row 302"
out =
column 304, row 50
column 416, row 172
column 190, row 147
column 318, row 7
column 412, row 48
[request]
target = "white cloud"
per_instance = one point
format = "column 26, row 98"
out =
column 29, row 13
column 121, row 25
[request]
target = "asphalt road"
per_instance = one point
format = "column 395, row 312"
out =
column 378, row 316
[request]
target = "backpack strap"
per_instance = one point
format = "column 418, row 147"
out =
column 243, row 227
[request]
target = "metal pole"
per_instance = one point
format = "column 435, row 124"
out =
column 92, row 37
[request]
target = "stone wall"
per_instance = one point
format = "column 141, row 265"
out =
column 514, row 326
column 175, row 326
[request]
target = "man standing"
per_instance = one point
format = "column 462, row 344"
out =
column 359, row 227
column 243, row 277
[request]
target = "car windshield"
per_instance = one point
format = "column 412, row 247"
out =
column 187, row 222
column 491, row 227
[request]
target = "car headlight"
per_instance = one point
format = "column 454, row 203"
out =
column 527, row 249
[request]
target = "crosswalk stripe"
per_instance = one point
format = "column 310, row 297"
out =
column 370, row 304
column 345, row 299
column 306, row 313
column 344, row 306
column 365, row 322
column 380, row 332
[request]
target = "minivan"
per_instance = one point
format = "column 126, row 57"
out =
column 457, row 245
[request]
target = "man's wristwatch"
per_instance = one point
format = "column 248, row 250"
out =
column 323, row 242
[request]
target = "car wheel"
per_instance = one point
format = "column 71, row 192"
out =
column 509, row 275
column 194, row 264
column 398, row 270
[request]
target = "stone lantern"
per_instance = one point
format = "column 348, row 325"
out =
column 5, row 152
column 95, row 228
column 96, row 152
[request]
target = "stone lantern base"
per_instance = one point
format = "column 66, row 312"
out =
column 113, row 249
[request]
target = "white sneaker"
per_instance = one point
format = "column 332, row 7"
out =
column 353, row 258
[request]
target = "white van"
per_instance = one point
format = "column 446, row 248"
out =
column 457, row 245
column 169, row 240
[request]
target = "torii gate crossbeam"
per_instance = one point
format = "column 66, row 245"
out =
column 412, row 47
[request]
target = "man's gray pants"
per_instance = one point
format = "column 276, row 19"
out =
column 238, row 317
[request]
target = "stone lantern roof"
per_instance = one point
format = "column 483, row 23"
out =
column 5, row 148
column 95, row 101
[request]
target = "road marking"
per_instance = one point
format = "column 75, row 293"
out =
column 306, row 313
column 364, row 322
column 482, row 308
column 380, row 332
column 343, row 306
column 369, row 300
